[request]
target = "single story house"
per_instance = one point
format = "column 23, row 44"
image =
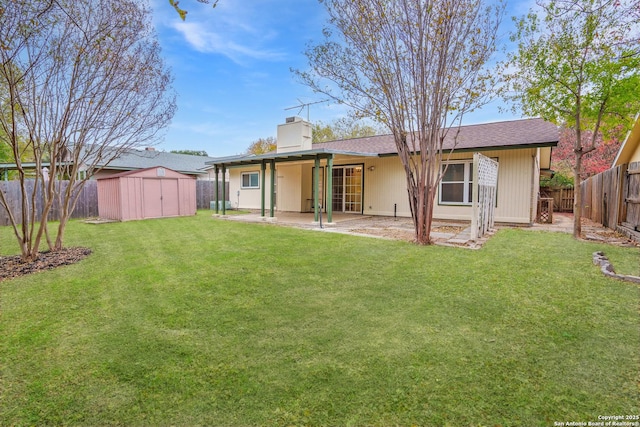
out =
column 131, row 160
column 365, row 175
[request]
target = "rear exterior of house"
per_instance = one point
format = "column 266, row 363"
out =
column 155, row 192
column 368, row 178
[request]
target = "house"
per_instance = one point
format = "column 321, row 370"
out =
column 612, row 197
column 629, row 151
column 365, row 175
column 131, row 160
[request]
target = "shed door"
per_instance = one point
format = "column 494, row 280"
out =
column 160, row 198
column 152, row 198
column 170, row 200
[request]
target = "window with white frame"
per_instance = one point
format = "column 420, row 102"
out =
column 456, row 186
column 251, row 180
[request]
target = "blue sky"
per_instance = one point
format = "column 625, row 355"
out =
column 232, row 64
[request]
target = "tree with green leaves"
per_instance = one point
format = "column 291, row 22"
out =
column 83, row 83
column 578, row 65
column 191, row 152
column 262, row 146
column 414, row 66
column 339, row 129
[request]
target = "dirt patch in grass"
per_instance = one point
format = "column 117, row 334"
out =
column 448, row 229
column 12, row 266
column 387, row 233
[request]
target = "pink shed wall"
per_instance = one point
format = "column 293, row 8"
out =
column 147, row 193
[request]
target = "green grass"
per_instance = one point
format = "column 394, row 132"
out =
column 199, row 321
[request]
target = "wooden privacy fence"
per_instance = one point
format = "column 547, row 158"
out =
column 562, row 198
column 603, row 198
column 87, row 205
column 206, row 192
column 630, row 216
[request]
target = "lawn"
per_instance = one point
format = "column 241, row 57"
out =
column 199, row 321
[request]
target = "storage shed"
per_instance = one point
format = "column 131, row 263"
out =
column 154, row 192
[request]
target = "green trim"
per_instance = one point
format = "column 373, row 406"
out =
column 224, row 191
column 262, row 187
column 329, row 202
column 272, row 169
column 316, row 191
column 217, row 188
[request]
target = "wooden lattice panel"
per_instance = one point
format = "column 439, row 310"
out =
column 485, row 182
column 545, row 210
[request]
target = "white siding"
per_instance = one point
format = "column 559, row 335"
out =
column 515, row 183
column 385, row 186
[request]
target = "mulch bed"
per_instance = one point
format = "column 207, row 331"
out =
column 12, row 266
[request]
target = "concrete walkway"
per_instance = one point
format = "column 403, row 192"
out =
column 443, row 232
column 448, row 233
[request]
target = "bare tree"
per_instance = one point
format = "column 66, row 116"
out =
column 84, row 82
column 416, row 66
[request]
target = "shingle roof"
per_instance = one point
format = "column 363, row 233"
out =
column 142, row 159
column 524, row 133
column 498, row 135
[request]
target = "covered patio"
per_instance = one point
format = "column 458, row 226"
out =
column 320, row 158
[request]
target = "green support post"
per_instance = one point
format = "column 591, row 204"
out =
column 224, row 190
column 316, row 192
column 272, row 168
column 262, row 189
column 217, row 190
column 329, row 202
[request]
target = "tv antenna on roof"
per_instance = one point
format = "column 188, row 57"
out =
column 306, row 104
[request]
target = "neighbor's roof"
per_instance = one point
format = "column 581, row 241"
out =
column 142, row 159
column 524, row 133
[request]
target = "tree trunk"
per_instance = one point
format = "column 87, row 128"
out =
column 421, row 203
column 577, row 197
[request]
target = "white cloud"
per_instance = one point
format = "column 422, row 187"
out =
column 204, row 40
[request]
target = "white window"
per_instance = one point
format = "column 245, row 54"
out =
column 251, row 180
column 456, row 186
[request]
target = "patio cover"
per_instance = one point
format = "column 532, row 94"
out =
column 221, row 164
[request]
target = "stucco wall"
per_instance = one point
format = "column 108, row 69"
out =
column 248, row 198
